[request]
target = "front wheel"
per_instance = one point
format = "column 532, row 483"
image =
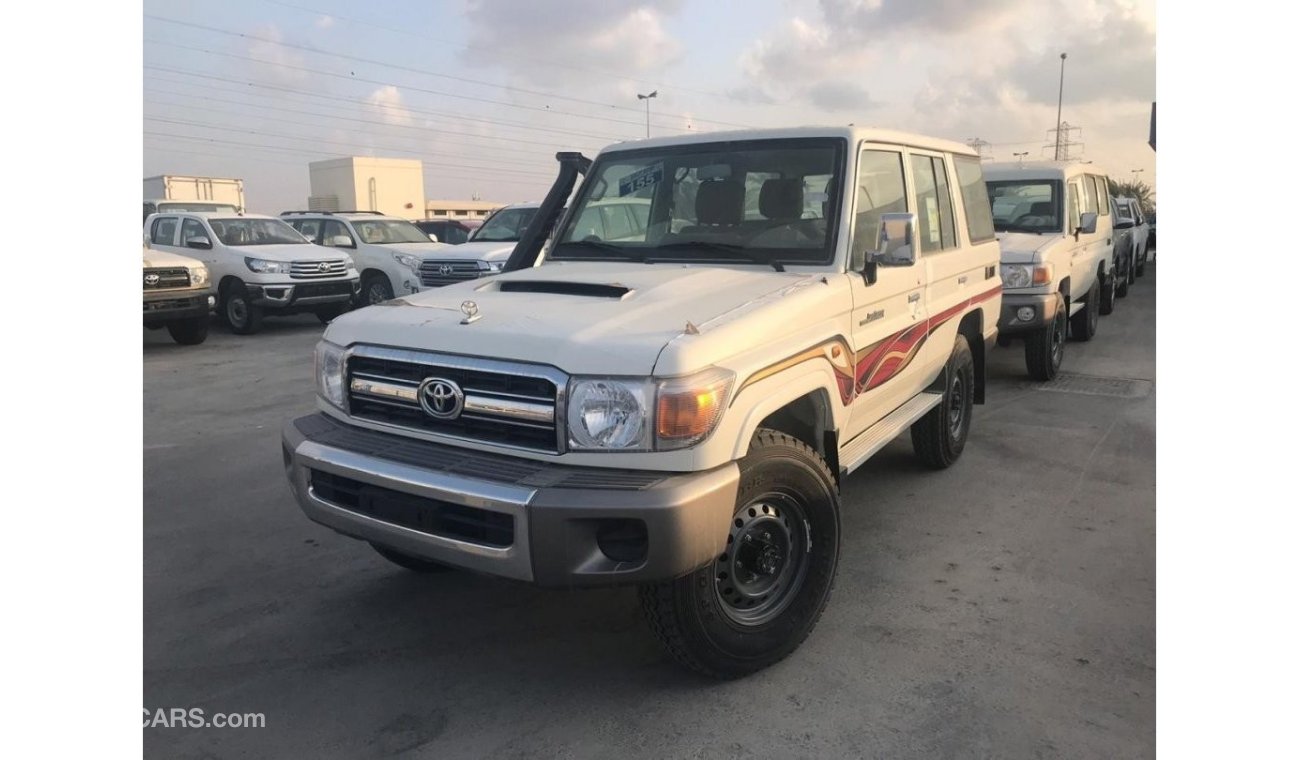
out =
column 758, row 600
column 1045, row 348
column 189, row 332
column 239, row 312
column 939, row 437
column 375, row 289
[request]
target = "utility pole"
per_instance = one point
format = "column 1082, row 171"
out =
column 979, row 146
column 1060, row 98
column 1021, row 156
column 646, row 98
column 1065, row 141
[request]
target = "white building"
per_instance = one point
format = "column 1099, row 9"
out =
column 459, row 209
column 393, row 186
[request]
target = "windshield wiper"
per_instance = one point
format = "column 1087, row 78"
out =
column 621, row 251
column 1016, row 228
column 739, row 251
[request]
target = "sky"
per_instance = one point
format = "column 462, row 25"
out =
column 485, row 92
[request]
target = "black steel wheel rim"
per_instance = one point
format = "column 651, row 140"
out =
column 376, row 293
column 956, row 405
column 237, row 310
column 765, row 562
column 1058, row 338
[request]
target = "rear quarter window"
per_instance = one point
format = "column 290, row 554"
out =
column 975, row 197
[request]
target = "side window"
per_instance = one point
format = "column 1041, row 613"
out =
column 880, row 191
column 933, row 204
column 334, row 228
column 164, row 230
column 1103, row 193
column 975, row 197
column 1090, row 204
column 192, row 228
column 1074, row 206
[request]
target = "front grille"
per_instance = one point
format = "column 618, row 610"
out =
column 435, row 274
column 312, row 270
column 406, row 370
column 315, row 289
column 158, row 278
column 432, row 517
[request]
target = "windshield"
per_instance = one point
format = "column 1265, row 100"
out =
column 1026, row 205
column 385, row 231
column 254, row 232
column 760, row 201
column 219, row 208
column 505, row 226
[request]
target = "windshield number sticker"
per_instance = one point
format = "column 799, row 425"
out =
column 650, row 175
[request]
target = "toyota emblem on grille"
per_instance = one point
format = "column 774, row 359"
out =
column 324, row 266
column 446, row 269
column 151, row 279
column 440, row 398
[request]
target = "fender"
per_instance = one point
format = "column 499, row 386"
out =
column 773, row 393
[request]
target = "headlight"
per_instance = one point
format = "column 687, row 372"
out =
column 1025, row 275
column 1015, row 277
column 329, row 373
column 407, row 260
column 609, row 414
column 348, row 263
column 605, row 413
column 688, row 408
column 199, row 276
column 267, row 267
column 495, row 266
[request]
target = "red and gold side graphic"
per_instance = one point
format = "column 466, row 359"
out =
column 873, row 366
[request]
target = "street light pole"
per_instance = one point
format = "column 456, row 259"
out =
column 1021, row 156
column 1060, row 96
column 646, row 98
column 1136, row 172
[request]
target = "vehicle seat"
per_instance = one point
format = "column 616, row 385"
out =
column 719, row 207
column 781, row 200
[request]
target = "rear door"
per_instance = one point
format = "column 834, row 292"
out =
column 889, row 315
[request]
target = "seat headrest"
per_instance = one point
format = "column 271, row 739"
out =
column 1041, row 208
column 781, row 199
column 720, row 202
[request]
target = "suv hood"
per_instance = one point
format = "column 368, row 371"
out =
column 156, row 258
column 1023, row 247
column 487, row 251
column 288, row 252
column 606, row 319
column 421, row 250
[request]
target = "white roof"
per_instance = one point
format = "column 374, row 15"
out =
column 216, row 215
column 852, row 134
column 1001, row 170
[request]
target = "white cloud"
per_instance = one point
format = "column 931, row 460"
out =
column 275, row 63
column 324, row 22
column 386, row 102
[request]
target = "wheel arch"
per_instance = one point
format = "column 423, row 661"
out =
column 803, row 406
column 972, row 326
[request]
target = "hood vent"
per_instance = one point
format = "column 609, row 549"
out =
column 586, row 289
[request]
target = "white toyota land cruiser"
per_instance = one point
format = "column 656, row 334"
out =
column 1058, row 261
column 675, row 409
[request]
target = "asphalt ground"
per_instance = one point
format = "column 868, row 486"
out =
column 1002, row 608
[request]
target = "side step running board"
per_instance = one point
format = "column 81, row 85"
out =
column 873, row 439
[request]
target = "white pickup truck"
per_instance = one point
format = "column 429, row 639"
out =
column 674, row 408
column 1055, row 225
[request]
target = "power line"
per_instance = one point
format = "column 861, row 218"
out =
column 412, row 109
column 426, row 72
column 511, row 54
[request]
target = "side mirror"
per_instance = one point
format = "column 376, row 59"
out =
column 895, row 241
column 340, row 241
column 199, row 242
column 434, row 238
column 1087, row 224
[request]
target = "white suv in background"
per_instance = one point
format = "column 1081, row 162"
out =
column 259, row 265
column 389, row 251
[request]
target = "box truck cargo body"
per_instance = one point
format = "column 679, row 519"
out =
column 171, row 192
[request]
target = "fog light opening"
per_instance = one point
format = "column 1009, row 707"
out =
column 622, row 540
column 1025, row 313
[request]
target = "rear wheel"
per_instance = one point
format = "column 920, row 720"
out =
column 1045, row 348
column 939, row 437
column 189, row 332
column 757, row 601
column 1141, row 267
column 243, row 317
column 1108, row 293
column 1083, row 325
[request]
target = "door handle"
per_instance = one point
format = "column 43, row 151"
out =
column 913, row 298
column 961, row 280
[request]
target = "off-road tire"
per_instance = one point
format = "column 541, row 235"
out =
column 414, row 564
column 1083, row 325
column 189, row 332
column 688, row 614
column 1121, row 288
column 939, row 437
column 1045, row 348
column 375, row 288
column 243, row 317
column 1108, row 294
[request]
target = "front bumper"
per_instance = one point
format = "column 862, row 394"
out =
column 548, row 524
column 313, row 293
column 175, row 305
column 1043, row 305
